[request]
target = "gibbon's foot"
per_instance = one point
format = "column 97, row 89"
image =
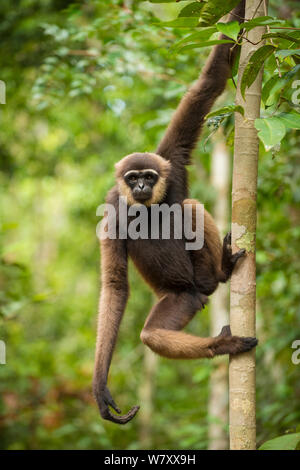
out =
column 228, row 250
column 239, row 254
column 228, row 344
column 228, row 259
column 227, row 239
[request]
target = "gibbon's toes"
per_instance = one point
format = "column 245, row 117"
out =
column 244, row 344
column 227, row 239
column 226, row 344
column 226, row 331
column 239, row 254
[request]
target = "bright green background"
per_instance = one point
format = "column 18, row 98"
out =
column 69, row 117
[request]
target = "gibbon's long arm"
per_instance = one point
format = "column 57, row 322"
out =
column 113, row 299
column 184, row 129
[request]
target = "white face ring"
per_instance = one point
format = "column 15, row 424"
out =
column 136, row 172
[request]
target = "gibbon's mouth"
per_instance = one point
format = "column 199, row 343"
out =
column 141, row 195
column 142, row 198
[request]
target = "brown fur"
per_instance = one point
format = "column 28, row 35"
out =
column 182, row 279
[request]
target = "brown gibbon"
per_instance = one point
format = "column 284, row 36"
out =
column 182, row 279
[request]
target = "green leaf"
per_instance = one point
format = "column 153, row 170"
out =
column 41, row 297
column 254, row 65
column 9, row 310
column 202, row 35
column 198, row 45
column 286, row 442
column 213, row 10
column 193, row 9
column 261, row 21
column 162, row 1
column 287, row 52
column 276, row 83
column 291, row 120
column 268, row 94
column 231, row 29
column 226, row 110
column 271, row 131
column 179, row 23
column 281, row 36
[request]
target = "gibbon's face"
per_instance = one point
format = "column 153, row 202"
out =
column 141, row 183
column 142, row 178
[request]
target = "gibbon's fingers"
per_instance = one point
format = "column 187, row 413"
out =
column 110, row 401
column 233, row 345
column 105, row 400
column 106, row 414
column 239, row 254
column 226, row 331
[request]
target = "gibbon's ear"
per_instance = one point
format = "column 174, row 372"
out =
column 118, row 168
column 118, row 164
column 165, row 167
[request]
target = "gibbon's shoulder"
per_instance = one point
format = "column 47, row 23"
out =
column 112, row 196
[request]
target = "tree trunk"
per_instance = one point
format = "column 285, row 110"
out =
column 146, row 392
column 218, row 399
column 243, row 285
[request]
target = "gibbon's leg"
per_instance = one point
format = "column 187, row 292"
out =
column 171, row 314
column 229, row 260
column 212, row 263
column 207, row 261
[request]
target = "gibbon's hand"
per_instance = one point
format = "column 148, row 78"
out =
column 105, row 400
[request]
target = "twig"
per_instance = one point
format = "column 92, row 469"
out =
column 271, row 41
column 257, row 8
column 284, row 27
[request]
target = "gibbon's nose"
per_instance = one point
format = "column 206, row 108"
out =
column 141, row 184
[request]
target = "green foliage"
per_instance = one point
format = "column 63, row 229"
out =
column 213, row 10
column 254, row 65
column 88, row 83
column 203, row 35
column 181, row 22
column 276, row 90
column 288, row 53
column 193, row 9
column 261, row 21
column 199, row 45
column 226, row 111
column 288, row 37
column 278, row 84
column 291, row 120
column 231, row 29
column 287, row 442
column 271, row 131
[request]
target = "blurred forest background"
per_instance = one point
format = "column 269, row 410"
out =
column 87, row 83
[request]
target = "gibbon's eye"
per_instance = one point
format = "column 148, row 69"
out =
column 148, row 177
column 132, row 178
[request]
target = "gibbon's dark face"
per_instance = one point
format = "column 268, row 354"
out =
column 142, row 178
column 141, row 183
